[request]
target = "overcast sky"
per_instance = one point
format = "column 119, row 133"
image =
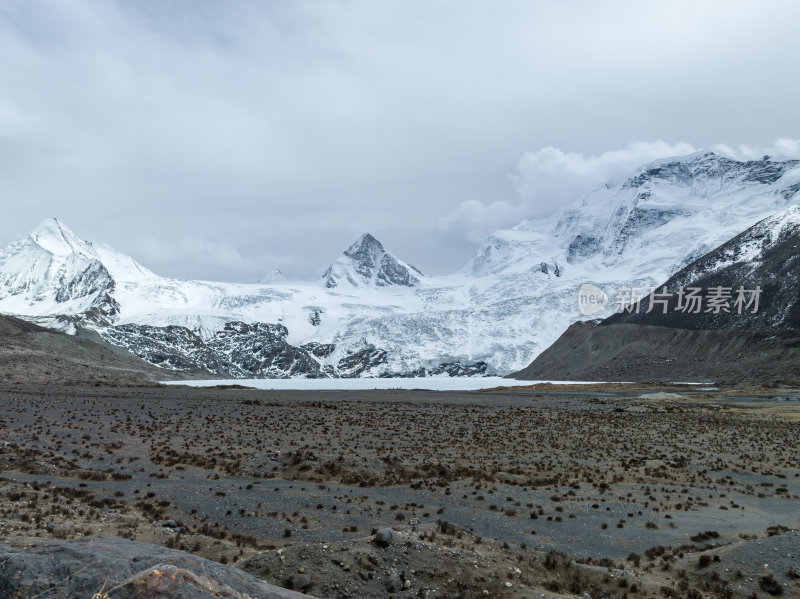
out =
column 219, row 139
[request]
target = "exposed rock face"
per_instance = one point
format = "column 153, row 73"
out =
column 766, row 256
column 366, row 263
column 356, row 363
column 254, row 350
column 632, row 221
column 663, row 341
column 261, row 350
column 459, row 369
column 320, row 350
column 714, row 169
column 449, row 368
column 123, row 569
column 171, row 347
column 580, row 247
column 242, row 350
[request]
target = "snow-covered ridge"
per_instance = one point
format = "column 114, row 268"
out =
column 57, row 239
column 274, row 276
column 514, row 297
column 53, row 272
column 756, row 275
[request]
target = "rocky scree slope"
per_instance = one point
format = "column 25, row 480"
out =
column 30, row 353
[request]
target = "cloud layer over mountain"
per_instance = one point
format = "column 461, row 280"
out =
column 279, row 132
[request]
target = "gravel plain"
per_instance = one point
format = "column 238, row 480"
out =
column 524, row 492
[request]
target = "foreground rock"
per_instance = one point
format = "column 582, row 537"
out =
column 383, row 537
column 122, row 569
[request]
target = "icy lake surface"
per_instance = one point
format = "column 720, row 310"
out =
column 432, row 383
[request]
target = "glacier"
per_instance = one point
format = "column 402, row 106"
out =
column 372, row 314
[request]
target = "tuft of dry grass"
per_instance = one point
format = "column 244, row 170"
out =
column 101, row 594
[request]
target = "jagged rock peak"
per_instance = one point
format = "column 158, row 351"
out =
column 365, row 243
column 367, row 263
column 708, row 165
column 55, row 237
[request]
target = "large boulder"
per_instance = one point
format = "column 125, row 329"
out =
column 122, row 569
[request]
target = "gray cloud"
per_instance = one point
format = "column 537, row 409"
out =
column 549, row 178
column 207, row 139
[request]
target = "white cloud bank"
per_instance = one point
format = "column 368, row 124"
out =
column 284, row 130
column 549, row 178
column 782, row 148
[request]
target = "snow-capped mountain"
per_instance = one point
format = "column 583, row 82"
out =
column 731, row 315
column 52, row 272
column 763, row 262
column 668, row 213
column 372, row 314
column 274, row 276
column 366, row 263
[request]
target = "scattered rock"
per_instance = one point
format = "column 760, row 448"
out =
column 300, row 582
column 383, row 537
column 394, row 583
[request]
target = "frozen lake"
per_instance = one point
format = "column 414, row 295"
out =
column 433, row 383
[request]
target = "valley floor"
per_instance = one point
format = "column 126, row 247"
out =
column 601, row 491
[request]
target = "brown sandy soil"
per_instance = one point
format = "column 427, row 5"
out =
column 517, row 493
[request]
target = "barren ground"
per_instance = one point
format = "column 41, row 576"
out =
column 509, row 493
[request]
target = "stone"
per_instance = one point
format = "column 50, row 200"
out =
column 123, row 569
column 383, row 537
column 394, row 583
column 300, row 582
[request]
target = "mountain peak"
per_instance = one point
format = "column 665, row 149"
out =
column 704, row 168
column 365, row 243
column 365, row 248
column 366, row 262
column 275, row 276
column 55, row 237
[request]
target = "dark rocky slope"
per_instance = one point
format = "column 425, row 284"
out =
column 663, row 342
column 627, row 352
column 30, row 353
column 260, row 350
column 765, row 256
